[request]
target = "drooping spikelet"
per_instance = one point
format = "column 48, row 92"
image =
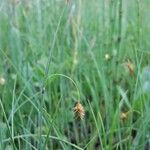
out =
column 79, row 110
column 130, row 67
column 124, row 115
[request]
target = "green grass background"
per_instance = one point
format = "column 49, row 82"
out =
column 52, row 54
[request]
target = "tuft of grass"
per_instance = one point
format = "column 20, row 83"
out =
column 56, row 53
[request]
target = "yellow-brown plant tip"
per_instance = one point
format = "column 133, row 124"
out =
column 130, row 67
column 79, row 110
column 124, row 115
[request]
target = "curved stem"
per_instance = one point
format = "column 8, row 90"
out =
column 62, row 75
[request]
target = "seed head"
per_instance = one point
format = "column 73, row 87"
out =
column 2, row 81
column 124, row 115
column 130, row 67
column 107, row 56
column 79, row 110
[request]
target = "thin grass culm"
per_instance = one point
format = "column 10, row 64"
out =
column 78, row 109
column 74, row 74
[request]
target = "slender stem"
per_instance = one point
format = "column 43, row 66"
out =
column 46, row 74
column 119, row 24
column 61, row 75
column 6, row 120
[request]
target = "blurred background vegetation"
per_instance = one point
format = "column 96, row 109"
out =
column 50, row 50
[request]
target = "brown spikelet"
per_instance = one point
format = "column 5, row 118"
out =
column 79, row 110
column 130, row 67
column 124, row 115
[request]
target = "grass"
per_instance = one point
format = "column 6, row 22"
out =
column 53, row 54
